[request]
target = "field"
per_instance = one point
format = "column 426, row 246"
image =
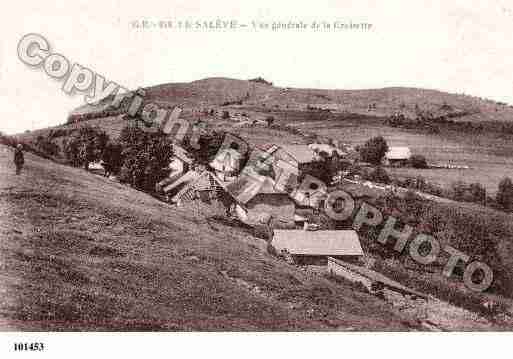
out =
column 489, row 157
column 84, row 253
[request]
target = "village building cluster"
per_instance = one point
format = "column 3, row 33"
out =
column 257, row 195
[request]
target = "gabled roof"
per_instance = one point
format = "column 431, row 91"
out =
column 302, row 153
column 249, row 184
column 318, row 243
column 273, row 155
column 398, row 153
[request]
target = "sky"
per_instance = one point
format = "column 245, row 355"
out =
column 455, row 46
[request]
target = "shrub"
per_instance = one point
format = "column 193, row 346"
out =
column 269, row 120
column 379, row 175
column 418, row 161
column 504, row 196
column 46, row 145
column 474, row 192
column 226, row 115
column 374, row 150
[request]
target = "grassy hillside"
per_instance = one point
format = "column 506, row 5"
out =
column 216, row 91
column 79, row 252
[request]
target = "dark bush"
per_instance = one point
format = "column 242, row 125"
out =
column 474, row 192
column 85, row 146
column 46, row 145
column 379, row 175
column 504, row 196
column 112, row 158
column 418, row 161
column 261, row 80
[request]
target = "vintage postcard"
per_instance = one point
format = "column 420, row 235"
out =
column 188, row 166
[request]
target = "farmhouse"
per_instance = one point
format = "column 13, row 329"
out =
column 267, row 200
column 397, row 156
column 260, row 198
column 316, row 246
column 303, row 155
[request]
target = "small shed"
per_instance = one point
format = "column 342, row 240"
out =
column 316, row 246
column 397, row 156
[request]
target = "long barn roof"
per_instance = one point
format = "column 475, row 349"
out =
column 318, row 243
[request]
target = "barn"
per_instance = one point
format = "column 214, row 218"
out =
column 313, row 247
column 397, row 156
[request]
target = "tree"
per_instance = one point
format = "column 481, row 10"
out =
column 504, row 196
column 85, row 146
column 269, row 120
column 146, row 156
column 374, row 150
column 112, row 158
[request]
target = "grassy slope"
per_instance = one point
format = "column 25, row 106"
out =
column 79, row 252
column 212, row 91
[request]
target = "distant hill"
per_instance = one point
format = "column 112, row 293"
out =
column 259, row 98
column 383, row 102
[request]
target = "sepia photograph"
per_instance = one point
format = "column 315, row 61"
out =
column 255, row 167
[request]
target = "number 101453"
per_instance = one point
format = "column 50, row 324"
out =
column 34, row 347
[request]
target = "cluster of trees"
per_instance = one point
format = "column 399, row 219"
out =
column 144, row 157
column 373, row 150
column 473, row 192
column 464, row 192
column 86, row 145
column 138, row 157
column 479, row 234
column 261, row 80
column 47, row 145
